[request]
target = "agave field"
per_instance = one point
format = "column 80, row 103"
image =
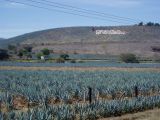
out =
column 63, row 95
column 101, row 63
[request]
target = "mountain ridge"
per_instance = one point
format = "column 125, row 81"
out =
column 2, row 39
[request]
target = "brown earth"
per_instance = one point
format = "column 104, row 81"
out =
column 147, row 115
column 81, row 68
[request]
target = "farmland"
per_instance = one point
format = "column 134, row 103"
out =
column 63, row 94
column 80, row 60
column 83, row 64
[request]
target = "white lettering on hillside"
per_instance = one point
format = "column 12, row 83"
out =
column 110, row 32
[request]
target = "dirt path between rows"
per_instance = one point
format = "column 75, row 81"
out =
column 147, row 115
column 80, row 68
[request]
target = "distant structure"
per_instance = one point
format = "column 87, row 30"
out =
column 42, row 58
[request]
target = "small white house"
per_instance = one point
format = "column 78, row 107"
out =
column 42, row 58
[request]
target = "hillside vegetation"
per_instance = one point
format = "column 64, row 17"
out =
column 143, row 41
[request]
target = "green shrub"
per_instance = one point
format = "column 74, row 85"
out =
column 22, row 52
column 129, row 58
column 150, row 24
column 39, row 55
column 81, row 61
column 73, row 61
column 140, row 24
column 28, row 48
column 3, row 54
column 45, row 51
column 64, row 56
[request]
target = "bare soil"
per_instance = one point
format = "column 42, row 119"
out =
column 80, row 68
column 147, row 115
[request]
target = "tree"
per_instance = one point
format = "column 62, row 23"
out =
column 128, row 58
column 150, row 24
column 45, row 51
column 29, row 55
column 140, row 24
column 3, row 54
column 156, row 24
column 25, row 52
column 73, row 61
column 64, row 56
column 12, row 49
column 22, row 52
column 39, row 55
column 28, row 48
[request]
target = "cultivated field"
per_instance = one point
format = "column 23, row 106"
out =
column 62, row 93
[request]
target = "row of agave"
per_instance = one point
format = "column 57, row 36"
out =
column 94, row 111
column 83, row 64
column 37, row 85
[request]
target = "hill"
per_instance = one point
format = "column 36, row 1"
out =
column 1, row 38
column 140, row 40
column 3, row 43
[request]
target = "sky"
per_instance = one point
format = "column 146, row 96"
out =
column 17, row 19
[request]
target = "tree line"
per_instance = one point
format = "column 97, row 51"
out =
column 148, row 24
column 44, row 54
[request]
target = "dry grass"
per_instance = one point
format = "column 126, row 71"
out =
column 81, row 68
column 147, row 115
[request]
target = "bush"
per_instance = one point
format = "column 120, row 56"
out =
column 29, row 55
column 45, row 51
column 73, row 61
column 156, row 24
column 140, row 24
column 39, row 55
column 28, row 48
column 64, row 56
column 150, row 24
column 128, row 58
column 20, row 54
column 23, row 52
column 3, row 54
column 60, row 60
column 81, row 61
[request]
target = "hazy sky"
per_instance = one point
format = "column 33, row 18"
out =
column 17, row 19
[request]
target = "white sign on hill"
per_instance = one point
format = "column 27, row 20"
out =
column 110, row 32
